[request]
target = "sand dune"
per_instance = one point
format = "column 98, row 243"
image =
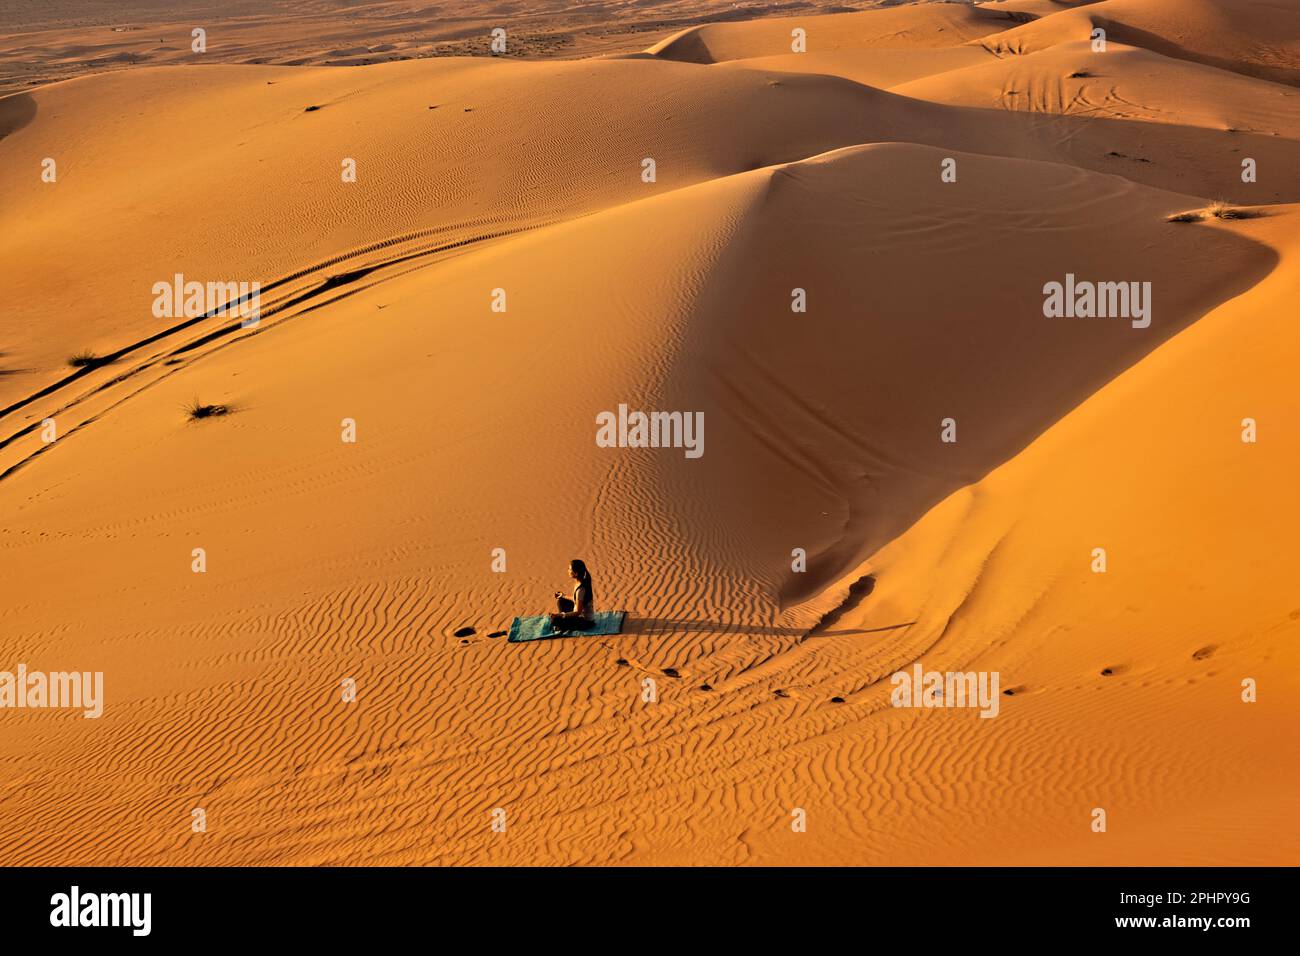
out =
column 919, row 27
column 1128, row 83
column 1168, row 629
column 883, row 68
column 330, row 560
column 1256, row 37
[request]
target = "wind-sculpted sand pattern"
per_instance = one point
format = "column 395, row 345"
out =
column 292, row 546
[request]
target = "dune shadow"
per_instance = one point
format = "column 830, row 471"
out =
column 652, row 626
column 1132, row 36
column 16, row 111
column 662, row 625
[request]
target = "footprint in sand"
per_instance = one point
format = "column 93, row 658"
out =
column 1202, row 653
column 462, row 631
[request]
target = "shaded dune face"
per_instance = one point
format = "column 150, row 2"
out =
column 777, row 178
column 16, row 112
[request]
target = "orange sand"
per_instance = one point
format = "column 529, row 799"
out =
column 329, row 561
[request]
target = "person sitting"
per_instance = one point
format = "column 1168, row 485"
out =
column 578, row 614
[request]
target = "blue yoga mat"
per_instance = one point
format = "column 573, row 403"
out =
column 538, row 627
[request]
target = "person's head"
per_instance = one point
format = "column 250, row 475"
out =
column 578, row 571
